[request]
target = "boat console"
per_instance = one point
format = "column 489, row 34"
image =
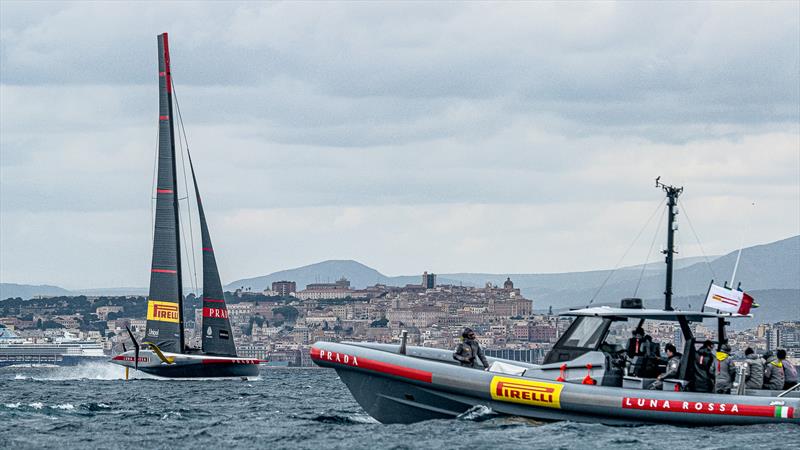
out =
column 590, row 334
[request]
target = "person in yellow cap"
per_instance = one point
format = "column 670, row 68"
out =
column 724, row 370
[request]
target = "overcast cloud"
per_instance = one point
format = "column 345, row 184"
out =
column 448, row 137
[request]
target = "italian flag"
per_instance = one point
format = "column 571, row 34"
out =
column 784, row 412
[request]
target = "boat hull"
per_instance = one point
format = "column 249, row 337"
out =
column 178, row 365
column 396, row 388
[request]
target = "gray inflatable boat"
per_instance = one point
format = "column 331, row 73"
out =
column 588, row 376
column 396, row 385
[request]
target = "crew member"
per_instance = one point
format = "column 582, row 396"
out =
column 789, row 370
column 468, row 350
column 773, row 372
column 703, row 378
column 673, row 366
column 755, row 370
column 652, row 355
column 724, row 370
column 635, row 343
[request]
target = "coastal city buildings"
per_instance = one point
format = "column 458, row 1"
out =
column 281, row 324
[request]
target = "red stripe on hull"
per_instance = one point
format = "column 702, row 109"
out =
column 207, row 249
column 213, row 300
column 163, row 191
column 371, row 364
column 163, row 271
column 723, row 408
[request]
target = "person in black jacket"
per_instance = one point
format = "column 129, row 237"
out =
column 635, row 347
column 703, row 378
column 468, row 350
column 673, row 367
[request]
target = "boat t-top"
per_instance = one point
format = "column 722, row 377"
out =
column 588, row 376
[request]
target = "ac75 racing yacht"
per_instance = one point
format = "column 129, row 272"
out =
column 586, row 377
column 164, row 352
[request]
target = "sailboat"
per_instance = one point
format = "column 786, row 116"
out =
column 163, row 351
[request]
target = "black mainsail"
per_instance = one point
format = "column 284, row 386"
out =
column 217, row 335
column 165, row 301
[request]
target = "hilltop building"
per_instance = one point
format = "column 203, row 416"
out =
column 329, row 291
column 284, row 288
column 428, row 280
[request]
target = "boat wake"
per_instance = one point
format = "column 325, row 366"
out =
column 86, row 371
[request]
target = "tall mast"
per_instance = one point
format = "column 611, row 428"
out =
column 176, row 201
column 672, row 203
column 165, row 299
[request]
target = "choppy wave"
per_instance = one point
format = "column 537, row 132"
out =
column 347, row 419
column 64, row 406
column 307, row 410
column 477, row 413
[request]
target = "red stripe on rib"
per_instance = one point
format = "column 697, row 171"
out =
column 163, row 191
column 163, row 271
column 213, row 300
column 326, row 356
column 162, row 74
column 163, row 117
column 208, row 249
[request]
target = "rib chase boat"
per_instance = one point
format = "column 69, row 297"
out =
column 584, row 378
column 163, row 351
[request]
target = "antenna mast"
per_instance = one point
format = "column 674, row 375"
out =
column 672, row 201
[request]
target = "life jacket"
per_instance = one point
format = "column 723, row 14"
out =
column 777, row 363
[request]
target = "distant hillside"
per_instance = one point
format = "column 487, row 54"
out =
column 773, row 266
column 770, row 266
column 360, row 276
column 115, row 292
column 26, row 291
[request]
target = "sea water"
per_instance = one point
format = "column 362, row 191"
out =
column 93, row 407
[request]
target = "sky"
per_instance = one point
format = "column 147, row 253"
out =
column 448, row 137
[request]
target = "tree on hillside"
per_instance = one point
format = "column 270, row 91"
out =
column 290, row 313
column 380, row 323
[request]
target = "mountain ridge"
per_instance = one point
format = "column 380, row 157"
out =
column 770, row 266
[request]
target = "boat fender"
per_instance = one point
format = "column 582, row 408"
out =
column 677, row 387
column 562, row 375
column 588, row 378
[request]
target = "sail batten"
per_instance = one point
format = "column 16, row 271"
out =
column 165, row 300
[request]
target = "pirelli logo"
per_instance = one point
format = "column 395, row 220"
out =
column 527, row 392
column 162, row 311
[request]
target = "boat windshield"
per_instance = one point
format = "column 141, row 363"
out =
column 618, row 333
column 585, row 333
